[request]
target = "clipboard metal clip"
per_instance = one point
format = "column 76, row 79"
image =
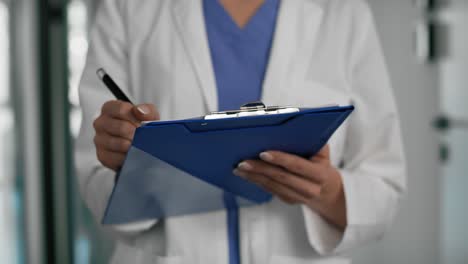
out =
column 253, row 106
column 251, row 109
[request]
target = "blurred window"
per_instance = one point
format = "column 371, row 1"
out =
column 4, row 55
column 77, row 49
column 9, row 197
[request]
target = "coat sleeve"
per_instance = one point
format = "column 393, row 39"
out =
column 374, row 173
column 108, row 49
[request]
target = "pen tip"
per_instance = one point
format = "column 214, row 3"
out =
column 100, row 73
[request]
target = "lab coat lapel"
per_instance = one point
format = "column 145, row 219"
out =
column 291, row 44
column 190, row 23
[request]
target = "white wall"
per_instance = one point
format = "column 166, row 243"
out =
column 414, row 237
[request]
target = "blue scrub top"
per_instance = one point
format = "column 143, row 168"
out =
column 240, row 57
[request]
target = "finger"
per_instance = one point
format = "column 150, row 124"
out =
column 294, row 164
column 111, row 160
column 322, row 155
column 287, row 200
column 115, row 127
column 271, row 186
column 146, row 112
column 111, row 143
column 299, row 184
column 120, row 110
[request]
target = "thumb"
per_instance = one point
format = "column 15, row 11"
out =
column 145, row 112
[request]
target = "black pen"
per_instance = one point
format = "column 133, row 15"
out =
column 112, row 86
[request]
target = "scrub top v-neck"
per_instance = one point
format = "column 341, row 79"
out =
column 239, row 57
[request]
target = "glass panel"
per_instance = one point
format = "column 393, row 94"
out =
column 77, row 48
column 454, row 197
column 90, row 244
column 10, row 205
column 454, row 94
column 4, row 54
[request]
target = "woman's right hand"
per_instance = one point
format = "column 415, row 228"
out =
column 115, row 128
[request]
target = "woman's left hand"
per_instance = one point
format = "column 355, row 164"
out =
column 295, row 180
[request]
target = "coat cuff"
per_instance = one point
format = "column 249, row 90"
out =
column 96, row 190
column 370, row 205
column 323, row 237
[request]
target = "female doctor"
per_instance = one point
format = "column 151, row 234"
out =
column 184, row 58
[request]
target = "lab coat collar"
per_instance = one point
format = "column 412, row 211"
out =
column 289, row 44
column 190, row 23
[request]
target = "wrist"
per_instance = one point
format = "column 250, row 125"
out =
column 332, row 203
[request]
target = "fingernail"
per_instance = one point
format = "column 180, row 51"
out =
column 266, row 156
column 244, row 166
column 239, row 173
column 143, row 109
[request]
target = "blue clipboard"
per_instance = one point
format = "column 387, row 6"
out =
column 183, row 167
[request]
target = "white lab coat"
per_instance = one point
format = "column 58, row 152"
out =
column 324, row 51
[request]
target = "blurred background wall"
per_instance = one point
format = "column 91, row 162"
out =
column 43, row 44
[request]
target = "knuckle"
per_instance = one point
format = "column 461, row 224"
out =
column 114, row 126
column 255, row 166
column 122, row 129
column 105, row 160
column 317, row 176
column 107, row 106
column 275, row 175
column 297, row 166
column 314, row 192
column 127, row 130
column 258, row 180
column 100, row 156
column 109, row 165
column 320, row 178
column 287, row 162
column 318, row 191
column 310, row 194
column 131, row 127
column 96, row 123
column 287, row 200
column 118, row 144
column 122, row 110
column 114, row 143
column 123, row 145
column 281, row 176
column 268, row 184
column 109, row 142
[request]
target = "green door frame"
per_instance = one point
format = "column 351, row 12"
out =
column 55, row 132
